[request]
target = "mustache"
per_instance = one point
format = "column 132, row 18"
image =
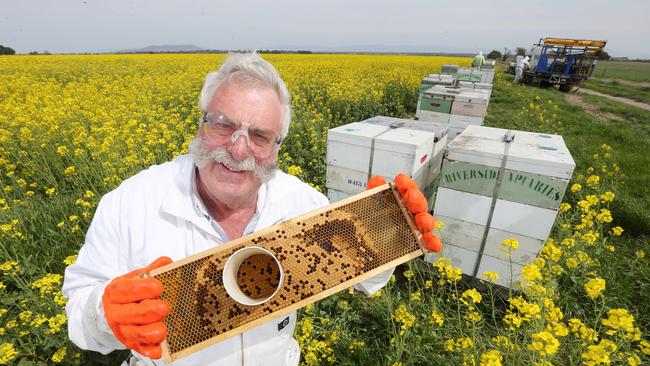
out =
column 202, row 156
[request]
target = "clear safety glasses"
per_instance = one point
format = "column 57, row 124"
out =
column 219, row 128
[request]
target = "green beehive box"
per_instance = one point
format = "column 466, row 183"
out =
column 431, row 81
column 469, row 75
column 449, row 69
column 436, row 102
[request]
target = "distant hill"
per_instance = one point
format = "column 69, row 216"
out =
column 164, row 49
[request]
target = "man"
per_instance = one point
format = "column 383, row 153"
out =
column 519, row 69
column 478, row 60
column 226, row 188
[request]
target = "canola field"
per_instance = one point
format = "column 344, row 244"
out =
column 73, row 127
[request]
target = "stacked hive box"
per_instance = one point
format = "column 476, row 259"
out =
column 476, row 75
column 435, row 105
column 488, row 65
column 429, row 82
column 449, row 69
column 460, row 107
column 491, row 190
column 382, row 146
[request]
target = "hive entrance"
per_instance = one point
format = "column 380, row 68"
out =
column 258, row 276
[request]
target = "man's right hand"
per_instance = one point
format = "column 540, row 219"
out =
column 134, row 312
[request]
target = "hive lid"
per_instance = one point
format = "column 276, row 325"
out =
column 404, row 140
column 471, row 97
column 356, row 133
column 438, row 129
column 479, row 145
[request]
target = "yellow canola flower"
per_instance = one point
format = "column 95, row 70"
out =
column 598, row 354
column 491, row 358
column 594, row 287
column 593, row 180
column 607, row 196
column 59, row 355
column 564, row 207
column 403, row 316
column 491, row 276
column 437, row 318
column 7, row 353
column 544, row 343
column 510, row 244
column 48, row 283
column 531, row 272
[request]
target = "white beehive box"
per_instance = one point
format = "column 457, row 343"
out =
column 524, row 207
column 359, row 150
column 457, row 124
column 349, row 153
column 475, row 85
column 439, row 131
column 472, row 104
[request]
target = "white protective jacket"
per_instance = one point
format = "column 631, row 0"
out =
column 153, row 214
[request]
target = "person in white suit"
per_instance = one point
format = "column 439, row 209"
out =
column 227, row 187
column 519, row 68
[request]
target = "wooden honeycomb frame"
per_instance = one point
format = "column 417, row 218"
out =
column 321, row 253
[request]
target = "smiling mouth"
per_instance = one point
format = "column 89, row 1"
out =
column 232, row 169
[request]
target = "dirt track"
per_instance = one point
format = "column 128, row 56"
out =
column 577, row 100
column 635, row 84
column 628, row 101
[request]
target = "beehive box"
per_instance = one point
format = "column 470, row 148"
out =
column 475, row 85
column 487, row 76
column 290, row 265
column 431, row 81
column 349, row 154
column 434, row 103
column 436, row 79
column 449, row 69
column 524, row 206
column 357, row 151
column 472, row 104
column 438, row 130
column 469, row 74
column 488, row 65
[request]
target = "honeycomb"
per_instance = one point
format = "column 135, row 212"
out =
column 318, row 251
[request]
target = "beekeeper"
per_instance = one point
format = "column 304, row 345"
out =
column 478, row 60
column 519, row 68
column 228, row 186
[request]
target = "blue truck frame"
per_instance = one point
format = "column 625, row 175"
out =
column 563, row 65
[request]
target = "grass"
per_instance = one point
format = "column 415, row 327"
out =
column 617, row 89
column 625, row 70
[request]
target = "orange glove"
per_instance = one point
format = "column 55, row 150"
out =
column 417, row 204
column 404, row 183
column 432, row 243
column 133, row 311
column 425, row 222
column 376, row 181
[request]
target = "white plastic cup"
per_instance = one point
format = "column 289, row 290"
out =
column 231, row 269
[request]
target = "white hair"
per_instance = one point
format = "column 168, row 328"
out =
column 248, row 69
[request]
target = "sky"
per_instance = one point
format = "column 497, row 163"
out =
column 466, row 26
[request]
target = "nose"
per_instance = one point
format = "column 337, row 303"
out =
column 239, row 149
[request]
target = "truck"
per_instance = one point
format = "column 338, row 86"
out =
column 563, row 62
